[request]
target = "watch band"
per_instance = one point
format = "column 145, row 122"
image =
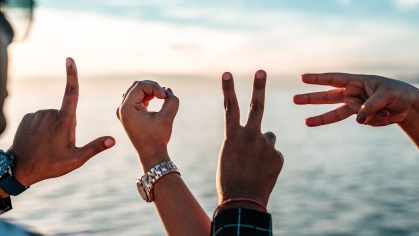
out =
column 145, row 183
column 11, row 186
column 7, row 182
column 5, row 205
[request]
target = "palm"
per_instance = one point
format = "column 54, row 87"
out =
column 354, row 95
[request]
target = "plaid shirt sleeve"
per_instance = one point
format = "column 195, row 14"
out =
column 242, row 222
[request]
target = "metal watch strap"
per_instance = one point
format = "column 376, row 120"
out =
column 11, row 186
column 159, row 170
column 145, row 183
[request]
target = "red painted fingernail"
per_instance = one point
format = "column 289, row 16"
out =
column 170, row 90
column 385, row 113
column 226, row 76
column 260, row 75
column 361, row 118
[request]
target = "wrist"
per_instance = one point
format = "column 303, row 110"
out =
column 3, row 194
column 241, row 204
column 19, row 172
column 258, row 198
column 411, row 121
column 149, row 160
column 244, row 203
column 413, row 115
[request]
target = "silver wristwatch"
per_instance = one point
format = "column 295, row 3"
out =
column 145, row 183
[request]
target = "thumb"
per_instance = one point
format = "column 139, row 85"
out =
column 96, row 146
column 170, row 105
column 374, row 104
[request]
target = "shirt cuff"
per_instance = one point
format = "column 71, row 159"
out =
column 241, row 221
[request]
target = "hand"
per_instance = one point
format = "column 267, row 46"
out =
column 44, row 145
column 378, row 101
column 149, row 132
column 249, row 165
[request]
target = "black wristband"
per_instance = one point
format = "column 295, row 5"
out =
column 11, row 186
column 5, row 205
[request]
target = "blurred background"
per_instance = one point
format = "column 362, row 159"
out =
column 341, row 179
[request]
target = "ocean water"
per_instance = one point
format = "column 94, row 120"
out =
column 341, row 179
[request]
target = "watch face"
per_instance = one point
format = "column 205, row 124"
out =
column 4, row 163
column 142, row 191
column 143, row 194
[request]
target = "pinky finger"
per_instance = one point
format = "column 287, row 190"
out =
column 330, row 117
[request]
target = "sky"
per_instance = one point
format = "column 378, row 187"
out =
column 206, row 38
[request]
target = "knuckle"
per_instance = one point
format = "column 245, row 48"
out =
column 141, row 83
column 326, row 98
column 321, row 120
column 229, row 105
column 175, row 99
column 95, row 148
column 149, row 82
column 256, row 107
column 50, row 111
column 270, row 134
column 70, row 89
column 29, row 116
column 40, row 113
column 336, row 115
column 123, row 112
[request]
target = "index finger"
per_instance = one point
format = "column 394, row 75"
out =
column 231, row 106
column 325, row 97
column 339, row 80
column 71, row 94
column 258, row 100
column 141, row 91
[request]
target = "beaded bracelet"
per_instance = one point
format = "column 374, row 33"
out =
column 238, row 200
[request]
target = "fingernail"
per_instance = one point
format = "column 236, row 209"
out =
column 170, row 90
column 109, row 142
column 361, row 118
column 163, row 89
column 260, row 75
column 226, row 76
column 68, row 62
column 385, row 113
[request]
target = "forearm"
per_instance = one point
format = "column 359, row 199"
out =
column 411, row 127
column 179, row 211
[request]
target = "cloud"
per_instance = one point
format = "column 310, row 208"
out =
column 406, row 4
column 283, row 43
